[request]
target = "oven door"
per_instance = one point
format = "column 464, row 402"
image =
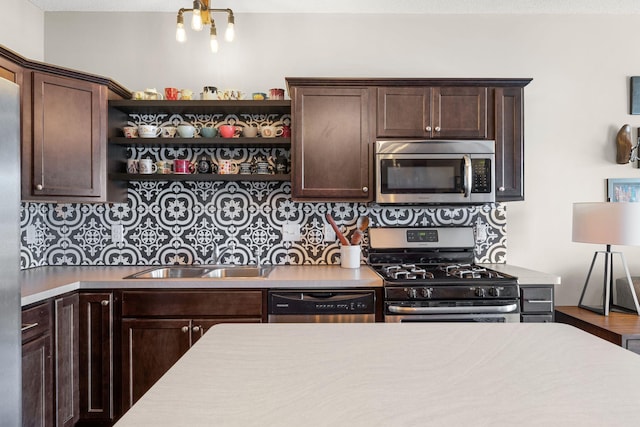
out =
column 504, row 311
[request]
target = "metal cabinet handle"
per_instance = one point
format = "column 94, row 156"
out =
column 538, row 301
column 437, row 128
column 365, row 189
column 39, row 187
column 500, row 188
column 104, row 302
column 185, row 329
column 29, row 326
column 428, row 128
column 196, row 329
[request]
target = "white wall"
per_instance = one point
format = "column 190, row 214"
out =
column 577, row 101
column 22, row 28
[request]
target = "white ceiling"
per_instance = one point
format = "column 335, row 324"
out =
column 355, row 6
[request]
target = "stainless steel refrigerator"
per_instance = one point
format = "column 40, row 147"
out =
column 10, row 312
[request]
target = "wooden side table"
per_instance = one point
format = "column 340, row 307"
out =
column 622, row 329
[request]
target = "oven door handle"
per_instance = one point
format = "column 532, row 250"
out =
column 468, row 177
column 509, row 308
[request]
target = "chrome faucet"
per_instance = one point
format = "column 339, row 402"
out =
column 257, row 255
column 217, row 253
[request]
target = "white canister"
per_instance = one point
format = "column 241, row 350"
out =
column 350, row 256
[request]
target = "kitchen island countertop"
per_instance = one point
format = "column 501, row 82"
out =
column 424, row 374
column 41, row 283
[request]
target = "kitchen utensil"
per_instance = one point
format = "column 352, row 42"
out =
column 343, row 240
column 361, row 226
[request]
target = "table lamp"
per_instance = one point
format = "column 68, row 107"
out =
column 609, row 224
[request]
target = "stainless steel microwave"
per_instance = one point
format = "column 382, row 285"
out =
column 435, row 171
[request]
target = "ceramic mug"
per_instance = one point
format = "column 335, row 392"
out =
column 276, row 93
column 168, row 131
column 186, row 94
column 227, row 131
column 132, row 166
column 130, row 131
column 147, row 166
column 246, row 168
column 138, row 95
column 171, row 93
column 163, row 167
column 186, row 131
column 209, row 92
column 148, row 131
column 226, row 167
column 182, row 166
column 286, row 131
column 208, row 132
column 152, row 94
column 270, row 131
column 250, row 132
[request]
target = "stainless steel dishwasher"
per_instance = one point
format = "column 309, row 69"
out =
column 321, row 306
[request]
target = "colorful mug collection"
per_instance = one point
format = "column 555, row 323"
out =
column 204, row 165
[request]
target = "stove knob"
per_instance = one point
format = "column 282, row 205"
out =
column 481, row 292
column 412, row 293
column 427, row 292
column 494, row 292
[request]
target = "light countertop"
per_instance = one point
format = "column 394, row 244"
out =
column 47, row 282
column 381, row 374
column 41, row 283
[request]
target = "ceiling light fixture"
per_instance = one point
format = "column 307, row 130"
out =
column 201, row 16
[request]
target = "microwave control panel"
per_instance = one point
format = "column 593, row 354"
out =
column 481, row 171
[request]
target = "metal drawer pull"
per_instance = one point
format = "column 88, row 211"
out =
column 196, row 329
column 29, row 326
column 185, row 329
column 104, row 302
column 538, row 301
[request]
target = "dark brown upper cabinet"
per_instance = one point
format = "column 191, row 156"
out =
column 331, row 141
column 432, row 112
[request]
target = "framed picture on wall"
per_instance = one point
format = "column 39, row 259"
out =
column 623, row 190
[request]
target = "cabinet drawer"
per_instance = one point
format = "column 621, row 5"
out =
column 191, row 303
column 537, row 318
column 36, row 321
column 537, row 300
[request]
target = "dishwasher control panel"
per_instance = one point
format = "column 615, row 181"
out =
column 324, row 302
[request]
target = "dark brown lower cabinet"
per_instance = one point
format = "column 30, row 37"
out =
column 96, row 358
column 37, row 367
column 66, row 372
column 158, row 327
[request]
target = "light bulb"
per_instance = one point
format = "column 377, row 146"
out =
column 213, row 38
column 196, row 20
column 181, row 34
column 230, row 33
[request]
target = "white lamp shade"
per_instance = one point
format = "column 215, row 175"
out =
column 607, row 223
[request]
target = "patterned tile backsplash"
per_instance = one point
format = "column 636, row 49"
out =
column 168, row 222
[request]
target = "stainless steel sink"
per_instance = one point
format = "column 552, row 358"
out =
column 201, row 272
column 240, row 271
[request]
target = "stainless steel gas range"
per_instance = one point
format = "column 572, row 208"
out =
column 429, row 276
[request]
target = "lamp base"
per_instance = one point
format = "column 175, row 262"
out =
column 607, row 289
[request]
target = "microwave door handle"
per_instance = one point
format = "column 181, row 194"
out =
column 467, row 175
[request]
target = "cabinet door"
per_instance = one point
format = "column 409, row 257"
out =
column 66, row 360
column 459, row 112
column 67, row 136
column 509, row 144
column 37, row 383
column 330, row 146
column 404, row 112
column 149, row 348
column 96, row 356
